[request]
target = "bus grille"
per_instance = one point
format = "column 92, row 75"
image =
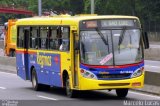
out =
column 115, row 84
column 114, row 76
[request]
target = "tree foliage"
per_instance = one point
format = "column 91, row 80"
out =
column 145, row 9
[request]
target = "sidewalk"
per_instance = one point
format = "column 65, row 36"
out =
column 154, row 43
column 7, row 68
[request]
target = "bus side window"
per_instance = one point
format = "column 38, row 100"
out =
column 64, row 39
column 43, row 37
column 52, row 40
column 59, row 39
column 33, row 38
column 20, row 38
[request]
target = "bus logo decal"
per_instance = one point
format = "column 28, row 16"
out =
column 43, row 60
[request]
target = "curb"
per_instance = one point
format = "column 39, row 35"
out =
column 151, row 89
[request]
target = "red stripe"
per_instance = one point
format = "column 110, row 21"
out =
column 21, row 51
column 25, row 52
column 118, row 66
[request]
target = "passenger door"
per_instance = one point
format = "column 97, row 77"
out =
column 22, row 53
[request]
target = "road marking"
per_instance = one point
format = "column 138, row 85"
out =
column 44, row 97
column 152, row 66
column 2, row 88
column 154, row 96
column 155, row 66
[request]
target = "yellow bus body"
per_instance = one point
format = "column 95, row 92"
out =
column 67, row 58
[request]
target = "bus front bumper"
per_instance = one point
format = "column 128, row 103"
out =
column 92, row 84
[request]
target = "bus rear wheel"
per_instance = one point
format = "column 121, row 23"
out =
column 69, row 92
column 36, row 86
column 122, row 93
column 34, row 79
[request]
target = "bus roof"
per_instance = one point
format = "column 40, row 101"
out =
column 67, row 19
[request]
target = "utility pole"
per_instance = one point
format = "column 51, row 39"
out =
column 92, row 6
column 39, row 7
column 133, row 7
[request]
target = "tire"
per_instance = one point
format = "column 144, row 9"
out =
column 69, row 92
column 122, row 93
column 34, row 80
column 35, row 85
column 12, row 53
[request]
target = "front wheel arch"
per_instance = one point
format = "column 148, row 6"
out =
column 64, row 76
column 66, row 84
column 31, row 69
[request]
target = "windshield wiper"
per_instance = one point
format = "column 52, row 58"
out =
column 102, row 36
column 121, row 38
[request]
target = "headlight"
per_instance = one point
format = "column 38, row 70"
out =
column 88, row 74
column 137, row 73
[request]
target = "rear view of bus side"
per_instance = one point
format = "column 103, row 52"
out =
column 10, row 38
column 82, row 52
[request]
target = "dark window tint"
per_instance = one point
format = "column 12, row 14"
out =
column 20, row 37
column 43, row 44
column 33, row 37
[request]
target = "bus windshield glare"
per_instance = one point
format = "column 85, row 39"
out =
column 111, row 46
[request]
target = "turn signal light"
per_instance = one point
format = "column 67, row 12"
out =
column 136, row 84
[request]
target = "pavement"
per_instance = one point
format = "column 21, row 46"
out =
column 7, row 68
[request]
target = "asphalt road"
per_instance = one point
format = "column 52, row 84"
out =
column 14, row 88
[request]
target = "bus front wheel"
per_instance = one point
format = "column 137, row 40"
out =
column 122, row 93
column 69, row 92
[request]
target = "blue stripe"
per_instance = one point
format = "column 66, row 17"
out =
column 113, row 71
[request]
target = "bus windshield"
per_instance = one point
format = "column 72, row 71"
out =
column 111, row 47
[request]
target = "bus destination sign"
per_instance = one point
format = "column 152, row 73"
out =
column 108, row 23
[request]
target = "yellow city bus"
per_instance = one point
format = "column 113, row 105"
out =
column 82, row 52
column 10, row 38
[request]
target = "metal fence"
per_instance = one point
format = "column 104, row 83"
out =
column 153, row 29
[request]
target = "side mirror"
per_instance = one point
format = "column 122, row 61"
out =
column 145, row 40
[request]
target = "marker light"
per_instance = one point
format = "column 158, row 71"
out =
column 82, row 71
column 88, row 74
